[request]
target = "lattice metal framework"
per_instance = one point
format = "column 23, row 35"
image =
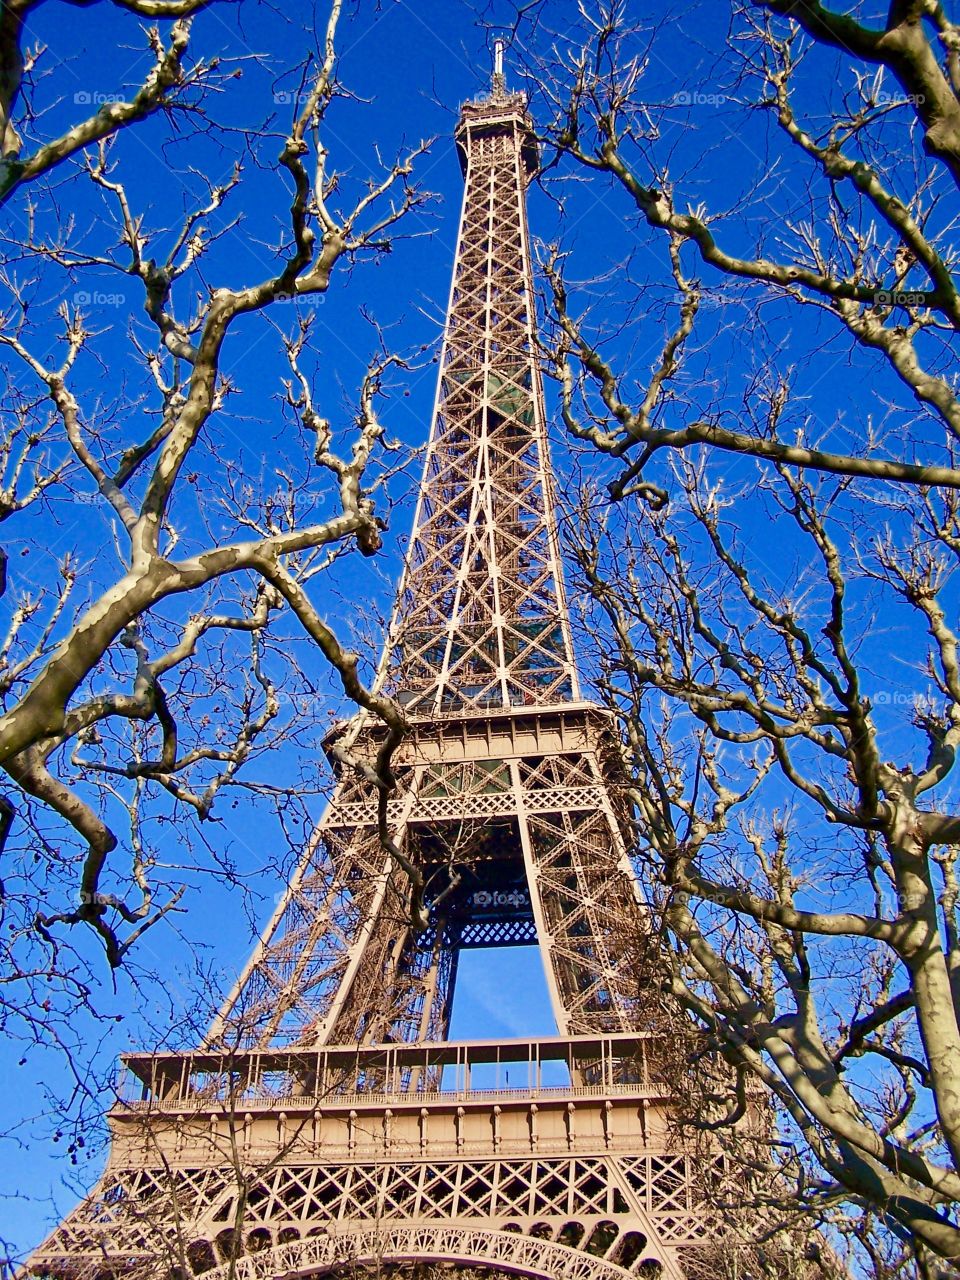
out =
column 481, row 620
column 508, row 798
column 512, row 818
column 300, row 1160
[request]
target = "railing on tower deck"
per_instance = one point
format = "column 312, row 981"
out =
column 584, row 1066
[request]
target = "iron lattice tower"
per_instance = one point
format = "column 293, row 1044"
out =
column 328, row 1121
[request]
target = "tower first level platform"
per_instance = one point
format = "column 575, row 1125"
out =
column 548, row 1157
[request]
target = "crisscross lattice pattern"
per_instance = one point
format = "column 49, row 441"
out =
column 480, row 620
column 342, row 963
column 631, row 1203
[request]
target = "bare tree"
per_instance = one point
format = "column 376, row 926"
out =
column 144, row 668
column 869, row 244
column 27, row 153
column 800, row 847
column 775, row 588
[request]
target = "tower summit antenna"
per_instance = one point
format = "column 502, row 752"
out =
column 499, row 81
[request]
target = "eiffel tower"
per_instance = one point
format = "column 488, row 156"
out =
column 329, row 1125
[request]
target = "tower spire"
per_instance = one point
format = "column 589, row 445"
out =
column 499, row 82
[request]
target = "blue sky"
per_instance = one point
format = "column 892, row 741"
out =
column 410, row 65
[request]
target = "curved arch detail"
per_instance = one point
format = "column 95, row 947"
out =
column 472, row 1246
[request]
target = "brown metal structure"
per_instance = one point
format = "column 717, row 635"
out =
column 329, row 1121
